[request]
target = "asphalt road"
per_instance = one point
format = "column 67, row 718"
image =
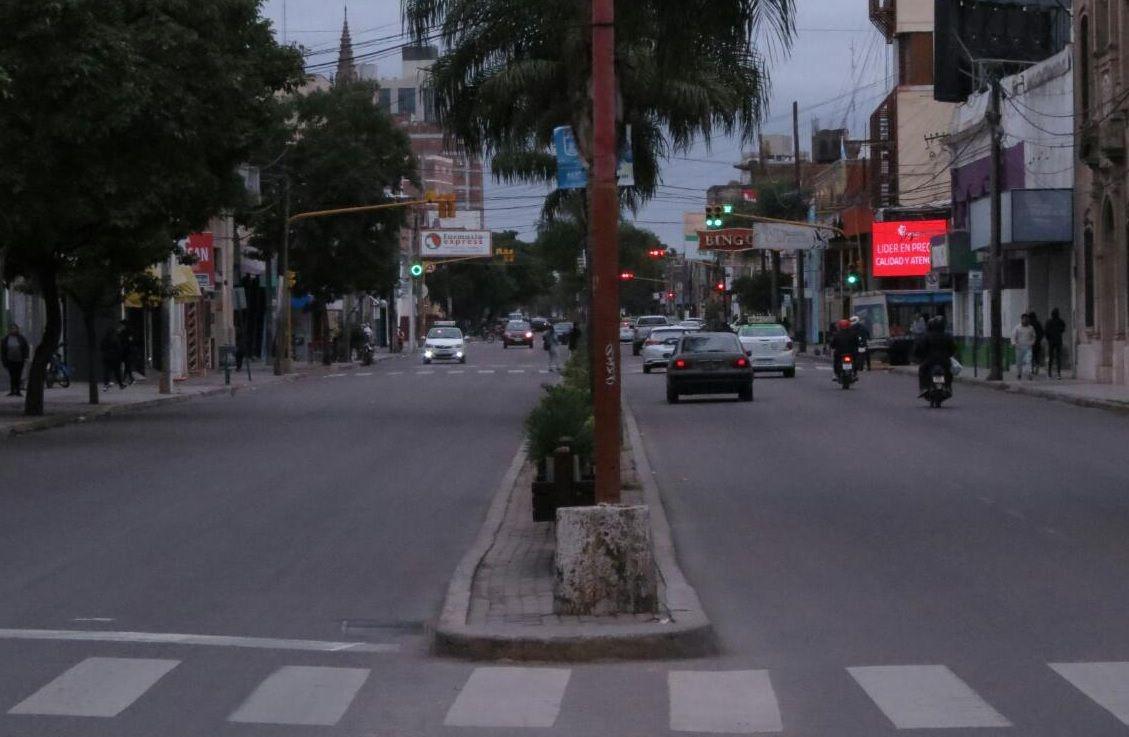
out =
column 871, row 566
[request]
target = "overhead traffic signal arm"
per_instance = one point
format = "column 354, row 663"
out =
column 429, row 198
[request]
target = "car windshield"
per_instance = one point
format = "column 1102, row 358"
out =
column 518, row 326
column 763, row 331
column 646, row 321
column 445, row 333
column 711, row 343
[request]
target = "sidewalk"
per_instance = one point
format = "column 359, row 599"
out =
column 500, row 601
column 70, row 405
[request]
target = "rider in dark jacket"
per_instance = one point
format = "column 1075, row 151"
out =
column 845, row 342
column 935, row 348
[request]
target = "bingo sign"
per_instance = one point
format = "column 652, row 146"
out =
column 903, row 248
column 201, row 246
column 470, row 243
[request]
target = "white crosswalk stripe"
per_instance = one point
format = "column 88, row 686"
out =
column 516, row 371
column 723, row 702
column 96, row 687
column 1105, row 683
column 509, row 697
column 486, row 371
column 925, row 697
column 302, row 695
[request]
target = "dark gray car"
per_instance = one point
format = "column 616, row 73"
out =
column 709, row 363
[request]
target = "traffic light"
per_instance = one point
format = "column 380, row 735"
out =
column 626, row 275
column 670, row 296
column 720, row 287
column 727, row 209
column 853, row 277
column 416, row 269
column 446, row 205
column 657, row 253
column 713, row 217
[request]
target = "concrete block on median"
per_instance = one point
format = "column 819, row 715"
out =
column 604, row 561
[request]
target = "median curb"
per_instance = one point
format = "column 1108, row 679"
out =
column 96, row 412
column 686, row 633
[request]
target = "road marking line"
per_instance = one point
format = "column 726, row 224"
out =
column 165, row 638
column 723, row 702
column 544, row 371
column 96, row 687
column 486, row 371
column 364, row 373
column 297, row 694
column 335, row 376
column 395, row 373
column 824, row 368
column 424, row 373
column 455, row 372
column 509, row 697
column 93, row 619
column 1107, row 684
column 925, row 697
column 516, row 371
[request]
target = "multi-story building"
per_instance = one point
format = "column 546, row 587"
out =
column 1101, row 265
column 908, row 165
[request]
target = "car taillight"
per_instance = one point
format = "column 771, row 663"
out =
column 741, row 362
column 788, row 346
column 680, row 363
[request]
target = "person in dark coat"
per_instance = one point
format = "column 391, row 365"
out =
column 1053, row 331
column 128, row 350
column 935, row 348
column 845, row 342
column 574, row 337
column 111, row 347
column 14, row 351
column 1037, row 349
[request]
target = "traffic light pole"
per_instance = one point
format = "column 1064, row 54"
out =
column 603, row 226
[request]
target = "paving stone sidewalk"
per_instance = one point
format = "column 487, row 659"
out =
column 514, row 582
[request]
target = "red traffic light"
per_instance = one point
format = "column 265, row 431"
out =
column 670, row 295
column 657, row 253
column 626, row 275
column 720, row 286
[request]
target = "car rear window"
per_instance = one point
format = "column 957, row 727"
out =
column 645, row 321
column 661, row 333
column 763, row 331
column 711, row 343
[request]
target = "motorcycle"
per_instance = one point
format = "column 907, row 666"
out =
column 367, row 353
column 847, row 372
column 938, row 391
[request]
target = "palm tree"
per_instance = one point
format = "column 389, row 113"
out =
column 513, row 70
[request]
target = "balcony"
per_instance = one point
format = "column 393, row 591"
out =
column 884, row 15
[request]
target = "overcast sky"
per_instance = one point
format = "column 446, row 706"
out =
column 838, row 59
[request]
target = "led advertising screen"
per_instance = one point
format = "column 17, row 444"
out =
column 902, row 248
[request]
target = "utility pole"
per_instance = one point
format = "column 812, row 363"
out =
column 996, row 369
column 603, row 226
column 283, row 341
column 801, row 276
column 165, row 384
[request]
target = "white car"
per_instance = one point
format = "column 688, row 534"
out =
column 661, row 344
column 693, row 322
column 769, row 347
column 626, row 331
column 444, row 344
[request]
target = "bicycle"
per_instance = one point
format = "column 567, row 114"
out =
column 58, row 372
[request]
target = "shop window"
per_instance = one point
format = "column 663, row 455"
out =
column 407, row 101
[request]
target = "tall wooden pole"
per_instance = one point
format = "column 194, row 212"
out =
column 996, row 369
column 603, row 226
column 801, row 308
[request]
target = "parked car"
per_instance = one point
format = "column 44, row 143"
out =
column 660, row 345
column 643, row 327
column 518, row 332
column 626, row 330
column 769, row 347
column 709, row 363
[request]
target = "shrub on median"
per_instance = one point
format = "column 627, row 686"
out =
column 564, row 412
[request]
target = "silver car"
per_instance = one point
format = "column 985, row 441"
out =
column 661, row 344
column 768, row 347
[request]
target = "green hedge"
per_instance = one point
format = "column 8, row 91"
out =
column 564, row 411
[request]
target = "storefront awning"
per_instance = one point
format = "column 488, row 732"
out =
column 184, row 285
column 919, row 298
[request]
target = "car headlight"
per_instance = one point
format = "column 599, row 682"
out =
column 428, row 353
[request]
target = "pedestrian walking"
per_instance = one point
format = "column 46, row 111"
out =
column 1023, row 338
column 128, row 351
column 919, row 326
column 574, row 337
column 1037, row 349
column 1054, row 330
column 15, row 352
column 111, row 348
column 553, row 346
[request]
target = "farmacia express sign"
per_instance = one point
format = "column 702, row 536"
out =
column 902, row 248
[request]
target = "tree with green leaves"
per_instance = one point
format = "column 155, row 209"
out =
column 514, row 71
column 122, row 123
column 337, row 150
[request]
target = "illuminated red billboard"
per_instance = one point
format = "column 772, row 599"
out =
column 902, row 248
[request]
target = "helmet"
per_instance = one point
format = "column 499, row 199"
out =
column 855, row 319
column 843, row 324
column 937, row 324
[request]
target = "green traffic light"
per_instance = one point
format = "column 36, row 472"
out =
column 727, row 209
column 852, row 279
column 416, row 270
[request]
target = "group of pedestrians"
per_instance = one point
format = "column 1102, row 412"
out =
column 119, row 355
column 1029, row 337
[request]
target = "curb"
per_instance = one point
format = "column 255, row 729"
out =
column 96, row 412
column 689, row 635
column 1109, row 405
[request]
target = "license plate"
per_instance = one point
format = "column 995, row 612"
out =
column 939, row 380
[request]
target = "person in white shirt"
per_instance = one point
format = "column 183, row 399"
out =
column 1023, row 338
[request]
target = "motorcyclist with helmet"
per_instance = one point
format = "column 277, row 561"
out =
column 935, row 348
column 845, row 342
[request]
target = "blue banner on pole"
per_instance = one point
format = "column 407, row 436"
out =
column 571, row 172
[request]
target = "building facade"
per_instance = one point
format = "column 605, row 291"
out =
column 1101, row 262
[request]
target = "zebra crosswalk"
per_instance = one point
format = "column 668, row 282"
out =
column 908, row 697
